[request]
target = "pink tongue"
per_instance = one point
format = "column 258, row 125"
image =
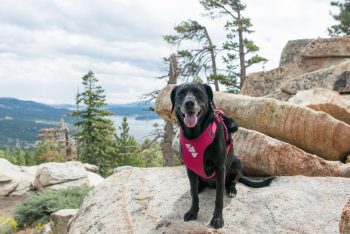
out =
column 190, row 120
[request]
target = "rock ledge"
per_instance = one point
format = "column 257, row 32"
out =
column 153, row 200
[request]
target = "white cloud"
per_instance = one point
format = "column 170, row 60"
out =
column 47, row 46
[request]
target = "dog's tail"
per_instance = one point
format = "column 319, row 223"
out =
column 256, row 184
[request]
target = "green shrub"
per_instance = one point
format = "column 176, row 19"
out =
column 37, row 208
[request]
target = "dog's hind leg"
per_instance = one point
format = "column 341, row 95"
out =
column 233, row 175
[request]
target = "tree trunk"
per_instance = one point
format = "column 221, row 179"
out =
column 241, row 52
column 168, row 152
column 315, row 132
column 213, row 59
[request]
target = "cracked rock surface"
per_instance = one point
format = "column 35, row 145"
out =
column 153, row 200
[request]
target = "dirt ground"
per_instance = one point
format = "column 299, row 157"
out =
column 8, row 204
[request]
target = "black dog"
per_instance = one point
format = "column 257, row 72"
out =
column 194, row 107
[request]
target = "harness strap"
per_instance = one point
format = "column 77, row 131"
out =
column 218, row 119
column 192, row 151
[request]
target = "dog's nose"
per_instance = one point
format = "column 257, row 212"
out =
column 189, row 104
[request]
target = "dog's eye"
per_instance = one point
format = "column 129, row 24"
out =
column 198, row 93
column 180, row 94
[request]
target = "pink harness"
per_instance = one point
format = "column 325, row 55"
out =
column 193, row 150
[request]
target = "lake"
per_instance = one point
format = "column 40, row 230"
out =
column 140, row 129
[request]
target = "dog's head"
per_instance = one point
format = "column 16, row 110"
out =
column 192, row 103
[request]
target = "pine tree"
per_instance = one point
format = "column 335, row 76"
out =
column 96, row 135
column 21, row 159
column 195, row 60
column 30, row 158
column 238, row 47
column 343, row 17
column 9, row 155
column 126, row 146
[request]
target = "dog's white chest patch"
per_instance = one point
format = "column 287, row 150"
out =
column 192, row 150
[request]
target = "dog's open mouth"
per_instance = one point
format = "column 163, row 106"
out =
column 190, row 119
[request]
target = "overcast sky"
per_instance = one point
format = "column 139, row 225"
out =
column 46, row 46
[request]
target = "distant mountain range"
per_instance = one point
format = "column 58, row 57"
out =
column 29, row 110
column 141, row 111
column 21, row 121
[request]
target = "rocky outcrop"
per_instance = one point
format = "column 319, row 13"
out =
column 63, row 175
column 338, row 47
column 344, row 225
column 324, row 100
column 60, row 175
column 315, row 132
column 304, row 64
column 262, row 156
column 264, row 83
column 335, row 78
column 14, row 181
column 291, row 51
column 18, row 180
column 138, row 201
column 324, row 52
column 60, row 219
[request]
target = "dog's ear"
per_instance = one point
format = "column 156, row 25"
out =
column 209, row 92
column 172, row 97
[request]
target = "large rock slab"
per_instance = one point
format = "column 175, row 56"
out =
column 344, row 225
column 338, row 47
column 324, row 100
column 138, row 201
column 14, row 181
column 315, row 132
column 324, row 52
column 60, row 175
column 263, row 83
column 335, row 78
column 262, row 155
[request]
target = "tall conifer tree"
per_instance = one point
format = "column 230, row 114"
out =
column 238, row 46
column 96, row 133
column 127, row 146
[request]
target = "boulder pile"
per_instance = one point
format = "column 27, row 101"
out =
column 304, row 65
column 294, row 119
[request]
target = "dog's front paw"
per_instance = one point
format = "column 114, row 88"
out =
column 231, row 191
column 190, row 215
column 217, row 222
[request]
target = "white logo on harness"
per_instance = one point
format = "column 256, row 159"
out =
column 192, row 150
